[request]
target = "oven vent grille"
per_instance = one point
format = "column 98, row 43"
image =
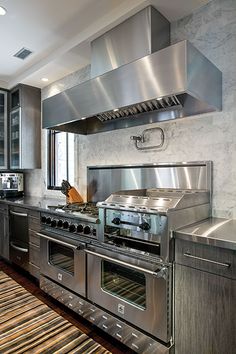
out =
column 23, row 53
column 148, row 106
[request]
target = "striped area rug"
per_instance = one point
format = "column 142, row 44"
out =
column 27, row 325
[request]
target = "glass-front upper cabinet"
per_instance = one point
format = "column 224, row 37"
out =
column 3, row 129
column 15, row 138
column 25, row 127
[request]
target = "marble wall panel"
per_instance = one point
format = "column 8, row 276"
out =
column 212, row 29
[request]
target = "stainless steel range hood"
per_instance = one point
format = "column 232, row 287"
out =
column 173, row 82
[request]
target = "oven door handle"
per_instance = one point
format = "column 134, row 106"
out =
column 162, row 273
column 21, row 249
column 58, row 241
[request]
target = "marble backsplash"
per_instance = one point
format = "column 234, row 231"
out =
column 212, row 29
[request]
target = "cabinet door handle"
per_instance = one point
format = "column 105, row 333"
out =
column 21, row 249
column 18, row 214
column 207, row 260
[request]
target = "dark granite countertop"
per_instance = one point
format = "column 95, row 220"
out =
column 34, row 202
column 213, row 231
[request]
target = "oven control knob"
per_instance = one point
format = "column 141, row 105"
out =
column 48, row 221
column 43, row 219
column 65, row 225
column 116, row 221
column 72, row 228
column 53, row 223
column 60, row 223
column 80, row 228
column 145, row 226
column 87, row 230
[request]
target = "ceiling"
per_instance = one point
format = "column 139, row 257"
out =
column 59, row 32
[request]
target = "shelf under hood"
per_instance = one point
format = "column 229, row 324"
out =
column 174, row 82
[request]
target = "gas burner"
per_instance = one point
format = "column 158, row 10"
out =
column 83, row 208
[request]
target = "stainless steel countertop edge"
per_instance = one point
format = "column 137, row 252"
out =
column 227, row 244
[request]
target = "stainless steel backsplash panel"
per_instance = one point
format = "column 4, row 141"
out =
column 104, row 180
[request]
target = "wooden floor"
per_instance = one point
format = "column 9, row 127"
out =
column 31, row 285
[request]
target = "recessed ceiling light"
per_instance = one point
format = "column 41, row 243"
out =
column 45, row 79
column 115, row 109
column 159, row 98
column 2, row 11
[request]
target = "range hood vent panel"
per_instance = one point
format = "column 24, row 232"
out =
column 179, row 71
column 142, row 80
column 143, row 107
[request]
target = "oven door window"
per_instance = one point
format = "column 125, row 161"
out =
column 124, row 283
column 61, row 257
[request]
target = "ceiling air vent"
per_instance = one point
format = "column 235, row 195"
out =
column 23, row 53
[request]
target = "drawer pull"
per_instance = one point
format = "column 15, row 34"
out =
column 135, row 346
column 207, row 260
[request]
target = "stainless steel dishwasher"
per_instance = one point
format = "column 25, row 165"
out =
column 19, row 236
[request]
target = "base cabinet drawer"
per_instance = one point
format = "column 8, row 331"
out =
column 34, row 223
column 34, row 255
column 211, row 259
column 34, row 239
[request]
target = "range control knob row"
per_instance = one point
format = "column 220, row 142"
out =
column 87, row 230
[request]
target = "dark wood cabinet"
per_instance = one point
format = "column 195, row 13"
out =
column 34, row 243
column 4, row 232
column 19, row 236
column 3, row 129
column 205, row 320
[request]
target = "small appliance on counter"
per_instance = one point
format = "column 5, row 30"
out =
column 11, row 184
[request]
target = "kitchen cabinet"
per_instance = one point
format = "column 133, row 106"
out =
column 24, row 242
column 25, row 127
column 4, row 231
column 205, row 293
column 3, row 129
column 34, row 243
column 19, row 236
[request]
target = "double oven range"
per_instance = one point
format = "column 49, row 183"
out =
column 114, row 266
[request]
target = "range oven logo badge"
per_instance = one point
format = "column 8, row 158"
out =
column 121, row 309
column 59, row 276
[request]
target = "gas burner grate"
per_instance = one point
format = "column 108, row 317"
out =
column 83, row 208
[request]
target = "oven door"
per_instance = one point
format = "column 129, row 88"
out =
column 133, row 289
column 63, row 261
